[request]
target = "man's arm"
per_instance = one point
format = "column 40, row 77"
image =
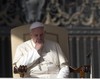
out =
column 25, row 56
column 64, row 69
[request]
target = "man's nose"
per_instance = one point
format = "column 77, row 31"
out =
column 39, row 36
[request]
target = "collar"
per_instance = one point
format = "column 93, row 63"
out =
column 32, row 43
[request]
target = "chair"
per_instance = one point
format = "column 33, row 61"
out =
column 81, row 70
column 21, row 34
column 58, row 34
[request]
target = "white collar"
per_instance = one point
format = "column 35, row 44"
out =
column 32, row 43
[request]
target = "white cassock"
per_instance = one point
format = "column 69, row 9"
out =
column 50, row 64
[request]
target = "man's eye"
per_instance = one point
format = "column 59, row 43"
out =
column 41, row 35
column 36, row 35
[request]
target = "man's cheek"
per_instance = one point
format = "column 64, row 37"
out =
column 34, row 40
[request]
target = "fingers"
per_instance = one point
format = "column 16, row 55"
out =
column 38, row 46
column 22, row 68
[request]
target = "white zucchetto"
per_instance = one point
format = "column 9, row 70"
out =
column 36, row 24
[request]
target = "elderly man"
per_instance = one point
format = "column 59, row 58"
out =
column 43, row 58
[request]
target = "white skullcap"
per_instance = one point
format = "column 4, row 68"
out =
column 36, row 24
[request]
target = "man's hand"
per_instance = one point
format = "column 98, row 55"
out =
column 39, row 46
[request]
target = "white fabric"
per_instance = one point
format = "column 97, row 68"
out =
column 35, row 25
column 64, row 71
column 49, row 64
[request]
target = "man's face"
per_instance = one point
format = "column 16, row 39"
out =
column 37, row 34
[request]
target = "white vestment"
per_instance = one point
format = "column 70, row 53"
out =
column 49, row 64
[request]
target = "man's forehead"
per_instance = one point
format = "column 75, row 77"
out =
column 38, row 29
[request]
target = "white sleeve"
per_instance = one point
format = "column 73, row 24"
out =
column 64, row 69
column 24, row 57
column 64, row 72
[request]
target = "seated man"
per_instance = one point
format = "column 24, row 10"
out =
column 43, row 58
